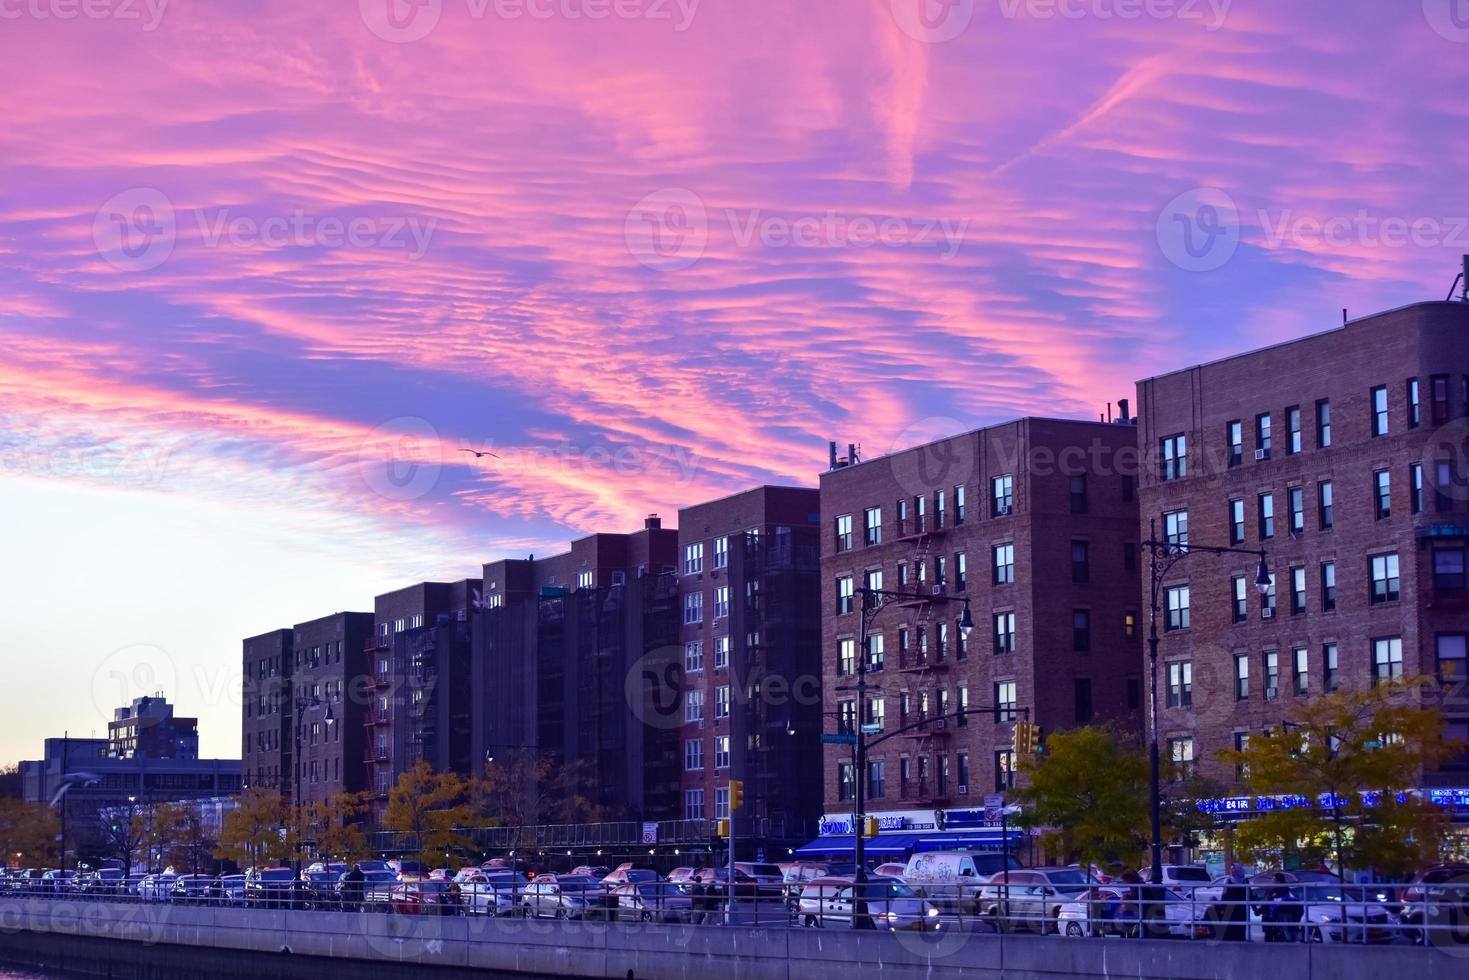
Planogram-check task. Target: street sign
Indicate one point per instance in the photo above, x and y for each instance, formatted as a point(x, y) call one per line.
point(650, 833)
point(872, 728)
point(992, 806)
point(828, 738)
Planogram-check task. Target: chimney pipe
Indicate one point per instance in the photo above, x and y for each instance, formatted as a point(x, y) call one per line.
point(1465, 295)
point(851, 454)
point(833, 447)
point(1122, 410)
point(652, 522)
point(1109, 411)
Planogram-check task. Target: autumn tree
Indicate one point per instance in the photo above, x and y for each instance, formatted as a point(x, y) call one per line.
point(335, 824)
point(27, 833)
point(251, 833)
point(1088, 793)
point(1339, 771)
point(125, 834)
point(429, 808)
point(508, 791)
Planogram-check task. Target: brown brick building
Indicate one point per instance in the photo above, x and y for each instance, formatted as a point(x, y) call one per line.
point(750, 631)
point(1343, 455)
point(1034, 522)
point(266, 731)
point(328, 657)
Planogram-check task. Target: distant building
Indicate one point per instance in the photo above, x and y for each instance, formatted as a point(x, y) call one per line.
point(326, 716)
point(266, 717)
point(148, 727)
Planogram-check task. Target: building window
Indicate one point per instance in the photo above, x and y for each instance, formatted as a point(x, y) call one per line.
point(693, 705)
point(1080, 562)
point(845, 594)
point(1293, 430)
point(1385, 582)
point(1451, 657)
point(872, 579)
point(872, 526)
point(1439, 385)
point(721, 602)
point(721, 702)
point(1379, 411)
point(962, 648)
point(1005, 701)
point(721, 552)
point(1236, 521)
point(1081, 697)
point(1272, 675)
point(1262, 436)
point(1448, 570)
point(1415, 411)
point(1005, 632)
point(693, 806)
point(963, 706)
point(1297, 590)
point(847, 717)
point(1302, 673)
point(1239, 604)
point(844, 532)
point(693, 558)
point(1325, 511)
point(1234, 433)
point(1415, 488)
point(940, 509)
point(961, 572)
point(959, 504)
point(1387, 659)
point(876, 787)
point(1267, 604)
point(1180, 684)
point(1175, 529)
point(1004, 564)
point(1382, 494)
point(583, 580)
point(875, 651)
point(1443, 500)
point(1002, 500)
point(1081, 630)
point(1329, 675)
point(1241, 676)
point(1178, 618)
point(693, 656)
point(721, 650)
point(1004, 770)
point(693, 755)
point(920, 513)
point(1173, 457)
point(846, 657)
point(693, 607)
point(1295, 498)
point(1181, 754)
point(845, 789)
point(1129, 556)
point(1265, 506)
point(1078, 494)
point(1328, 586)
point(1323, 424)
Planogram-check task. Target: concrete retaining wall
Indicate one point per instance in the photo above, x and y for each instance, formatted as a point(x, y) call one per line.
point(143, 938)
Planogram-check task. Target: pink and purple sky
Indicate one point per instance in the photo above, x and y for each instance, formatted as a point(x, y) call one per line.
point(268, 266)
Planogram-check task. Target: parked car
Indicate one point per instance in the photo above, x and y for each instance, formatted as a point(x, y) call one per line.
point(795, 877)
point(373, 864)
point(227, 890)
point(1435, 899)
point(105, 881)
point(407, 870)
point(744, 885)
point(767, 877)
point(564, 897)
point(893, 869)
point(1031, 898)
point(156, 887)
point(320, 888)
point(1328, 910)
point(891, 904)
point(651, 901)
point(952, 880)
point(272, 888)
point(492, 892)
point(683, 877)
point(623, 875)
point(1181, 879)
point(1114, 910)
point(430, 896)
point(190, 889)
point(56, 881)
point(377, 890)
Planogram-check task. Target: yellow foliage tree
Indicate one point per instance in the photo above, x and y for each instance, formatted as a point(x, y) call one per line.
point(429, 808)
point(251, 833)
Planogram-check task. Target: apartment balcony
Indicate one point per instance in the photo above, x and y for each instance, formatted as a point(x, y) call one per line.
point(375, 718)
point(375, 643)
point(915, 661)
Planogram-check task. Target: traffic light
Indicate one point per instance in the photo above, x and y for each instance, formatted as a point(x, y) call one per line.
point(1037, 740)
point(1017, 738)
point(869, 827)
point(721, 828)
point(736, 794)
point(1026, 739)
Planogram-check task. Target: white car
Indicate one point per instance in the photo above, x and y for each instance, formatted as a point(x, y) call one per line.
point(156, 888)
point(490, 893)
point(1330, 911)
point(1113, 910)
point(891, 904)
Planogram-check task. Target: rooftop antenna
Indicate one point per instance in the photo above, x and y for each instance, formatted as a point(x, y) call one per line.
point(1343, 316)
point(1461, 279)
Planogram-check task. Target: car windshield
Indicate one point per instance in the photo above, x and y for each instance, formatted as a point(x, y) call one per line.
point(660, 889)
point(764, 869)
point(379, 876)
point(888, 889)
point(277, 874)
point(638, 874)
point(1069, 878)
point(1189, 873)
point(578, 886)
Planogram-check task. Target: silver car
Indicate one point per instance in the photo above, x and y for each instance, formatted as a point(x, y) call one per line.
point(563, 897)
point(652, 901)
point(891, 904)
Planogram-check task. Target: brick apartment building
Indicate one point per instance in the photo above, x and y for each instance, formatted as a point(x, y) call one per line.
point(148, 727)
point(328, 656)
point(266, 718)
point(1343, 455)
point(554, 647)
point(418, 658)
point(1034, 522)
point(750, 631)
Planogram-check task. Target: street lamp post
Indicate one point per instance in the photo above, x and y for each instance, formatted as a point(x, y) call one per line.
point(304, 704)
point(875, 601)
point(1163, 555)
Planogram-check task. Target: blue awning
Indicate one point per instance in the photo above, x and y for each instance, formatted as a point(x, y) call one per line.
point(883, 845)
point(979, 838)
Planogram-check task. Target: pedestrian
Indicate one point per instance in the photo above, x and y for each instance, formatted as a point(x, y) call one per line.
point(1233, 907)
point(352, 888)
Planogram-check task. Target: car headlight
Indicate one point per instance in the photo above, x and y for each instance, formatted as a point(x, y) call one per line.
point(933, 913)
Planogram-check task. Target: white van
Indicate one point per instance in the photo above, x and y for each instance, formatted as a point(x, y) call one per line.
point(951, 879)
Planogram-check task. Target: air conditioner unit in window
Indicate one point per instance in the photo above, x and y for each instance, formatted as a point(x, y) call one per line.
point(1006, 511)
point(938, 590)
point(1261, 454)
point(619, 578)
point(963, 790)
point(1267, 613)
point(1272, 693)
